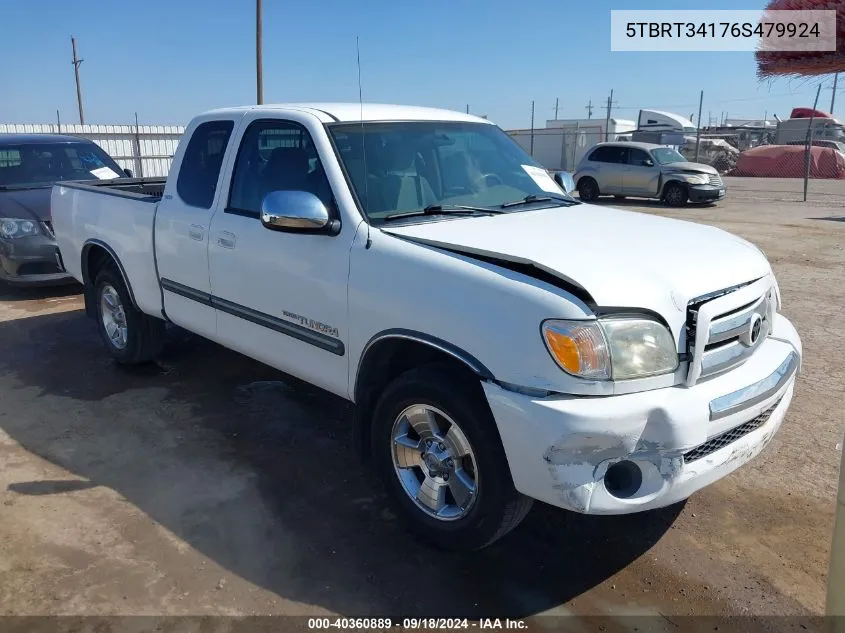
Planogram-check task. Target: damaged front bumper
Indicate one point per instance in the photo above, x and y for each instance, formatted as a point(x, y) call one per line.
point(634, 452)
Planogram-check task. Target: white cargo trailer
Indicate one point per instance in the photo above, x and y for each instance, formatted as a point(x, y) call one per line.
point(562, 143)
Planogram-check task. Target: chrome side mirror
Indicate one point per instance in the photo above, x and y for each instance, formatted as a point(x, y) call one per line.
point(565, 181)
point(294, 211)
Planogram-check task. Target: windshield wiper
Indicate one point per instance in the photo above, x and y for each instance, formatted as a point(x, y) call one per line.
point(530, 199)
point(443, 209)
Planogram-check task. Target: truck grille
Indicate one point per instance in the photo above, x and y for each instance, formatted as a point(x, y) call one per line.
point(736, 326)
point(723, 439)
point(716, 180)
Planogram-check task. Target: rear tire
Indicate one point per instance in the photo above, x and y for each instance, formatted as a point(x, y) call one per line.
point(588, 190)
point(130, 336)
point(675, 194)
point(465, 499)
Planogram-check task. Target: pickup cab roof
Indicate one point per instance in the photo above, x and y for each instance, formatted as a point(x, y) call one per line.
point(349, 112)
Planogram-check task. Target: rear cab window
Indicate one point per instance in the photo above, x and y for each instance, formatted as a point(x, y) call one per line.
point(201, 164)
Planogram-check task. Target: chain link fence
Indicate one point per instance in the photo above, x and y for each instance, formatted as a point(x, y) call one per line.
point(754, 163)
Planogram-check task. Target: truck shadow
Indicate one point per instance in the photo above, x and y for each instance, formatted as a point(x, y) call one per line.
point(16, 293)
point(255, 471)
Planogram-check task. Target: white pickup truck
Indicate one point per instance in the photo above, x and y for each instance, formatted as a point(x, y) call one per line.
point(500, 340)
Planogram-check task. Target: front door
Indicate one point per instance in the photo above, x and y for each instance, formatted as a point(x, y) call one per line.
point(181, 226)
point(281, 296)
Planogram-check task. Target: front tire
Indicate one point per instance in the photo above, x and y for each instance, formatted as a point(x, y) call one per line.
point(130, 336)
point(675, 194)
point(437, 449)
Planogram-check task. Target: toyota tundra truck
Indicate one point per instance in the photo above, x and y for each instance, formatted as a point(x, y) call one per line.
point(501, 341)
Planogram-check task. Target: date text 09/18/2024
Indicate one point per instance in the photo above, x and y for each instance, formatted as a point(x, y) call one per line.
point(414, 624)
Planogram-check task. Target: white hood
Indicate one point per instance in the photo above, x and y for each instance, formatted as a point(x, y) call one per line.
point(621, 258)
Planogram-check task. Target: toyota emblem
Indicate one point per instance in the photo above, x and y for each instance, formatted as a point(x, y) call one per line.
point(754, 330)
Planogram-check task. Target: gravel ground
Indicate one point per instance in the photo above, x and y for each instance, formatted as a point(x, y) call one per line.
point(210, 484)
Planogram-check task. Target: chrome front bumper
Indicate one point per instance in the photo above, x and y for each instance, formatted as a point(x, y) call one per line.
point(761, 390)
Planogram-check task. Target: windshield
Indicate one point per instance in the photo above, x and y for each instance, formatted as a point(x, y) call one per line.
point(398, 167)
point(666, 155)
point(41, 164)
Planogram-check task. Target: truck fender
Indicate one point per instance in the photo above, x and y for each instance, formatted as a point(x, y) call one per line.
point(88, 281)
point(369, 380)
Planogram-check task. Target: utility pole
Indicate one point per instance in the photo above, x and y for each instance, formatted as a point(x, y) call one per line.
point(532, 129)
point(833, 94)
point(590, 109)
point(607, 120)
point(698, 131)
point(467, 108)
point(259, 62)
point(76, 62)
point(809, 143)
point(557, 103)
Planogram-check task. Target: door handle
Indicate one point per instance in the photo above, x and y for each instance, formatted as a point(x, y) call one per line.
point(196, 232)
point(226, 239)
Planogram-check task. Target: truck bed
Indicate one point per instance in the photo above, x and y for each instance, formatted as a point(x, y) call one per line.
point(117, 215)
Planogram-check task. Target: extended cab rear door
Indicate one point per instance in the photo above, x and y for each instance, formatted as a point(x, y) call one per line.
point(183, 219)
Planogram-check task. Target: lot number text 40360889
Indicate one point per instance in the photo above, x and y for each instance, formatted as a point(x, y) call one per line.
point(415, 624)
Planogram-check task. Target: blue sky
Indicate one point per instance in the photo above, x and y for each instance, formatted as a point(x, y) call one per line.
point(169, 60)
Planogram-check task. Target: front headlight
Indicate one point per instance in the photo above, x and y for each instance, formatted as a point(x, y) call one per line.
point(698, 179)
point(611, 348)
point(13, 229)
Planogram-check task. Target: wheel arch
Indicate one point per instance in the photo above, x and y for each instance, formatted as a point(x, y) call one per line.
point(672, 181)
point(95, 255)
point(389, 354)
point(585, 176)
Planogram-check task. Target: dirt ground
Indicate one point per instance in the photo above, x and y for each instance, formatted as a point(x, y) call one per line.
point(210, 484)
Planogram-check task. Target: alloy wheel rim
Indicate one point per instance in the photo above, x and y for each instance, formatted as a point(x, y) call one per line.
point(674, 195)
point(114, 317)
point(434, 462)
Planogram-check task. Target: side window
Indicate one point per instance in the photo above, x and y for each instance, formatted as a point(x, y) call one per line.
point(601, 155)
point(637, 156)
point(276, 156)
point(619, 155)
point(201, 164)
